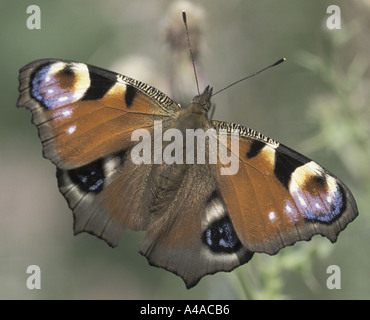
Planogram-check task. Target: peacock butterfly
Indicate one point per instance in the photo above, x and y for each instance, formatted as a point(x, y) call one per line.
point(198, 219)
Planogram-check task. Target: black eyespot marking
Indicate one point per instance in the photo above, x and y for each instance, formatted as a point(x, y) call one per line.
point(99, 85)
point(89, 178)
point(67, 70)
point(320, 179)
point(255, 148)
point(286, 161)
point(221, 237)
point(130, 95)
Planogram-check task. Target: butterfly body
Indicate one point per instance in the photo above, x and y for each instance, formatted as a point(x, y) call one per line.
point(200, 217)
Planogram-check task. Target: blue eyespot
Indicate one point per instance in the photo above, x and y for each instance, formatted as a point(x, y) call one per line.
point(38, 86)
point(324, 207)
point(331, 206)
point(89, 178)
point(221, 237)
point(54, 88)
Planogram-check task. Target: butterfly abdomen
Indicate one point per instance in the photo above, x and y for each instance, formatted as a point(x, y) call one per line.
point(165, 185)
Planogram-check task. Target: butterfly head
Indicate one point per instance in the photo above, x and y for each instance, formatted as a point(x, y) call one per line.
point(202, 102)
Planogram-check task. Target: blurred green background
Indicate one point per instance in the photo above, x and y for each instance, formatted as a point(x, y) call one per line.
point(316, 103)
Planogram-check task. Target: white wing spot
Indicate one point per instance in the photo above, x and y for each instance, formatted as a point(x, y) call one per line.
point(71, 129)
point(302, 202)
point(272, 216)
point(66, 113)
point(61, 99)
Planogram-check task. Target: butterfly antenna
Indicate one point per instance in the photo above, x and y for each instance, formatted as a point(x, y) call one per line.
point(191, 52)
point(254, 74)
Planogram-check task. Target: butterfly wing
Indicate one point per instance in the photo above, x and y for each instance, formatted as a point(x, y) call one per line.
point(85, 116)
point(84, 113)
point(192, 235)
point(278, 196)
point(215, 221)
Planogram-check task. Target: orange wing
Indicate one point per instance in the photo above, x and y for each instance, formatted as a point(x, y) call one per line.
point(278, 196)
point(85, 117)
point(83, 112)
